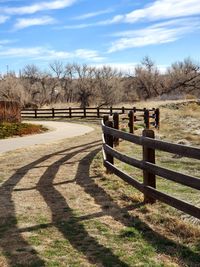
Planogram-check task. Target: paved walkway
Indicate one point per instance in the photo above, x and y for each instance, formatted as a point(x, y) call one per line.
point(58, 131)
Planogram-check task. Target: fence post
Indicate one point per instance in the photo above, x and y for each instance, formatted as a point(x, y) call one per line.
point(157, 118)
point(146, 118)
point(131, 121)
point(149, 179)
point(70, 112)
point(84, 112)
point(98, 112)
point(109, 142)
point(116, 126)
point(35, 113)
point(105, 119)
point(111, 111)
point(123, 110)
point(134, 110)
point(53, 113)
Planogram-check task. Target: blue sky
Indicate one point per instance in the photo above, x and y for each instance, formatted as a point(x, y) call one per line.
point(115, 32)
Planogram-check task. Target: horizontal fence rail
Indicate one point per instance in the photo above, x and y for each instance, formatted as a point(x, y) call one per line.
point(148, 165)
point(149, 117)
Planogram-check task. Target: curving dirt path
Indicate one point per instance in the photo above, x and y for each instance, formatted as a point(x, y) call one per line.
point(58, 131)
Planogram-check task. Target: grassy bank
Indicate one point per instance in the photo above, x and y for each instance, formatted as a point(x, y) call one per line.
point(19, 129)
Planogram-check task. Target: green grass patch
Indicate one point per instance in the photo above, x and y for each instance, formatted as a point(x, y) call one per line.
point(19, 129)
point(154, 235)
point(182, 165)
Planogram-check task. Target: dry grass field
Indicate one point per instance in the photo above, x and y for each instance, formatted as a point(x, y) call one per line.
point(59, 208)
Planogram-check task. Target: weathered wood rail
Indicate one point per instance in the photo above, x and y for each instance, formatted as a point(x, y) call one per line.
point(150, 117)
point(148, 165)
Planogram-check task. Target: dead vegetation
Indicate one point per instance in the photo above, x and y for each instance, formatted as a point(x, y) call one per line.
point(10, 111)
point(102, 86)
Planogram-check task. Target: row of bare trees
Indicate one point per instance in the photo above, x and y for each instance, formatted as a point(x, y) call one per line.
point(180, 79)
point(99, 85)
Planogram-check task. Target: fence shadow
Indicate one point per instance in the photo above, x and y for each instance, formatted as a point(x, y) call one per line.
point(67, 222)
point(161, 243)
point(65, 219)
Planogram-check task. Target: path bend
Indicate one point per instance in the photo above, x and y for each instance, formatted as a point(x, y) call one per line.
point(57, 131)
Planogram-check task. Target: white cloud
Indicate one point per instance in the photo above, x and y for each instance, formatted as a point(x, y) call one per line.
point(77, 26)
point(42, 53)
point(88, 54)
point(41, 6)
point(5, 42)
point(7, 1)
point(161, 9)
point(127, 67)
point(158, 10)
point(160, 33)
point(3, 19)
point(20, 52)
point(124, 67)
point(94, 14)
point(27, 22)
point(84, 25)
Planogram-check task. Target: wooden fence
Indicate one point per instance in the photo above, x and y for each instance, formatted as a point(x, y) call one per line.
point(148, 165)
point(150, 117)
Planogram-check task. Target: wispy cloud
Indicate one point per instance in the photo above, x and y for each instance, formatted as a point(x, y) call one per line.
point(158, 10)
point(42, 53)
point(164, 9)
point(160, 33)
point(42, 6)
point(93, 14)
point(7, 1)
point(28, 22)
point(6, 41)
point(83, 25)
point(76, 26)
point(3, 19)
point(88, 54)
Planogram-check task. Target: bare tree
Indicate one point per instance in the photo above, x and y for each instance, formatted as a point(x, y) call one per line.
point(57, 68)
point(183, 77)
point(85, 83)
point(31, 72)
point(64, 76)
point(108, 86)
point(40, 85)
point(147, 79)
point(12, 89)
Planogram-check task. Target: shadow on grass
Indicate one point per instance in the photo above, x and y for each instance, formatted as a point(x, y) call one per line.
point(161, 243)
point(16, 249)
point(14, 246)
point(67, 222)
